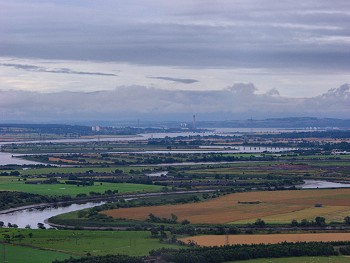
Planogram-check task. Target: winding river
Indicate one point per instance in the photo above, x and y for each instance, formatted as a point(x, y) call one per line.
point(33, 216)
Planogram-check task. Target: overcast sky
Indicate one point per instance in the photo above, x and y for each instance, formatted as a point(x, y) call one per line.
point(188, 56)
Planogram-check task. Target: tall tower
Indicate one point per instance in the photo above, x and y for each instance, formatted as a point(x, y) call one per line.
point(194, 122)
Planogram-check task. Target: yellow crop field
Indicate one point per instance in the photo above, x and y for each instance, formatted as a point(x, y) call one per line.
point(272, 206)
point(221, 240)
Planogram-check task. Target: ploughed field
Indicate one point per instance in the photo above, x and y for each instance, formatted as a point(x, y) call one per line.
point(221, 240)
point(271, 206)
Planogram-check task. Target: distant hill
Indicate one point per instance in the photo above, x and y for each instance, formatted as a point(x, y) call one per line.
point(293, 122)
point(132, 127)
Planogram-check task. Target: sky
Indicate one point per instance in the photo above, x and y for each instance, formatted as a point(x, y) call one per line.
point(225, 59)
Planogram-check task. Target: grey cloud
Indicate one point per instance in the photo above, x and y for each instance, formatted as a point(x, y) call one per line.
point(239, 101)
point(273, 92)
point(185, 81)
point(254, 33)
point(33, 68)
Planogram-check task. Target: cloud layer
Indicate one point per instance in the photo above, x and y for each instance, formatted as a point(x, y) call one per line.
point(236, 102)
point(184, 81)
point(245, 33)
point(33, 68)
point(63, 58)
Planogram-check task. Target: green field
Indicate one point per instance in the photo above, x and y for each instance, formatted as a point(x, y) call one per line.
point(12, 184)
point(15, 254)
point(339, 259)
point(79, 243)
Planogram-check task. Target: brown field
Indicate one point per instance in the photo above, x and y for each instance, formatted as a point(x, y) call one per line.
point(216, 240)
point(279, 206)
point(56, 159)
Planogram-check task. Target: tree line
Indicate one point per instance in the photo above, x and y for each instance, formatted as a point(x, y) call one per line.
point(244, 252)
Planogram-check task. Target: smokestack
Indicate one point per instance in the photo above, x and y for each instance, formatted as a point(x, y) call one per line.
point(194, 122)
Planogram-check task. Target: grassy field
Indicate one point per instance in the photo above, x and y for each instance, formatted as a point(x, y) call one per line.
point(79, 243)
point(339, 259)
point(271, 206)
point(12, 184)
point(15, 254)
point(221, 240)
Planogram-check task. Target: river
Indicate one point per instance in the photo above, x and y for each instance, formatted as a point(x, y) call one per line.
point(33, 216)
point(7, 158)
point(318, 184)
point(219, 149)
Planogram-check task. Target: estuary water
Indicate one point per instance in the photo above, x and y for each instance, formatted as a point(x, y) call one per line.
point(33, 216)
point(318, 184)
point(7, 158)
point(219, 149)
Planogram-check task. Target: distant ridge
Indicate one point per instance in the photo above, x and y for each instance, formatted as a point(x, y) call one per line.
point(290, 122)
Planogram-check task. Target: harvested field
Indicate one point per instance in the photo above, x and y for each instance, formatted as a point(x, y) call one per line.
point(56, 159)
point(276, 206)
point(221, 240)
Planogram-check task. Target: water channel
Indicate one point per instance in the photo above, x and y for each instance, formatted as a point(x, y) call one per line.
point(318, 184)
point(8, 158)
point(33, 216)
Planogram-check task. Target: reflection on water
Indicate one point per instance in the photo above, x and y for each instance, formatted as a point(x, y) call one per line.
point(157, 174)
point(38, 215)
point(6, 158)
point(314, 184)
point(220, 149)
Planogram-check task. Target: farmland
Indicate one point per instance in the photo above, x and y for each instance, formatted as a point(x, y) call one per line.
point(79, 243)
point(230, 193)
point(221, 240)
point(274, 207)
point(18, 253)
point(12, 184)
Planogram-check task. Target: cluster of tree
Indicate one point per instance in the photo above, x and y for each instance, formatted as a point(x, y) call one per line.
point(14, 199)
point(155, 219)
point(244, 252)
point(342, 146)
point(8, 238)
point(313, 134)
point(103, 259)
point(194, 157)
point(9, 199)
point(347, 220)
point(344, 250)
point(48, 181)
point(319, 221)
point(127, 179)
point(203, 230)
point(12, 173)
point(9, 225)
point(80, 182)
